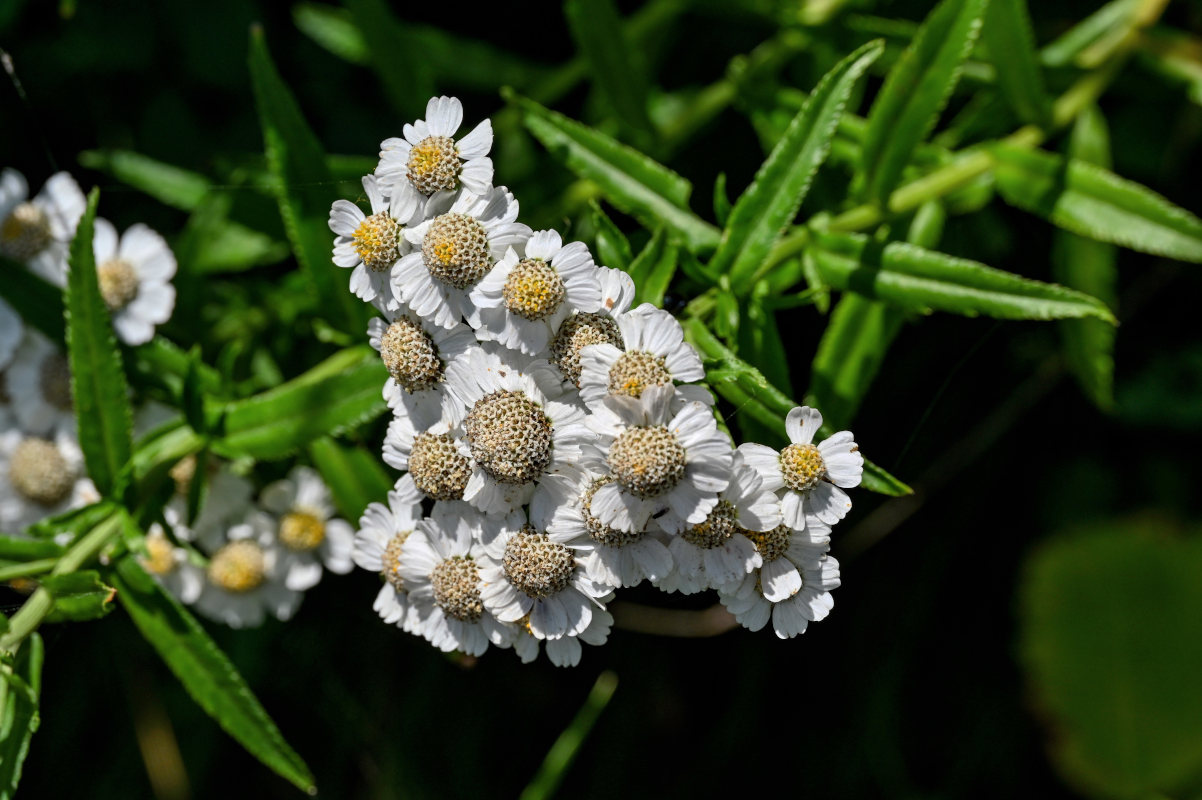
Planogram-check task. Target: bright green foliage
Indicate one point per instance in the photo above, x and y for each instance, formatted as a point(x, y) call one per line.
point(652, 269)
point(98, 387)
point(170, 185)
point(355, 476)
point(610, 244)
point(20, 692)
point(1007, 33)
point(205, 671)
point(78, 596)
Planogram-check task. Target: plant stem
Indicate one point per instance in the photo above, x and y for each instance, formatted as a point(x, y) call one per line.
point(26, 621)
point(27, 568)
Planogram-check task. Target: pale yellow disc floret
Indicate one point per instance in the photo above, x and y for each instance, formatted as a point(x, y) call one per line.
point(534, 289)
point(718, 527)
point(411, 355)
point(54, 379)
point(377, 240)
point(801, 466)
point(510, 436)
point(39, 472)
point(437, 467)
point(634, 371)
point(391, 560)
point(118, 283)
point(537, 566)
point(25, 232)
point(456, 586)
point(770, 544)
point(302, 531)
point(238, 567)
point(455, 250)
point(434, 164)
point(647, 461)
point(160, 555)
point(578, 332)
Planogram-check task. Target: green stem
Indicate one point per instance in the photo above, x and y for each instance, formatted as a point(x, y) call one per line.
point(26, 621)
point(28, 568)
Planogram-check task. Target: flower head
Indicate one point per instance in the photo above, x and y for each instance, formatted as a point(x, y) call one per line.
point(431, 160)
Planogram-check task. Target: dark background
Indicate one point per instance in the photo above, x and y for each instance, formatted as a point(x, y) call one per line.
point(910, 689)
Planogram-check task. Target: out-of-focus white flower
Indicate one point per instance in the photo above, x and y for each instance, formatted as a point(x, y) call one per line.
point(11, 331)
point(135, 272)
point(39, 385)
point(171, 566)
point(245, 577)
point(310, 535)
point(38, 232)
point(41, 477)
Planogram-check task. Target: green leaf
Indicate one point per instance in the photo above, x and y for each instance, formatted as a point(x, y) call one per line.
point(205, 671)
point(1111, 641)
point(332, 28)
point(78, 596)
point(211, 242)
point(1110, 20)
point(98, 386)
point(170, 185)
point(20, 688)
point(407, 76)
point(913, 277)
point(917, 89)
point(72, 524)
point(1007, 33)
point(612, 246)
point(653, 268)
point(338, 394)
point(13, 548)
point(850, 353)
point(563, 752)
point(630, 181)
point(355, 476)
point(41, 303)
point(770, 203)
point(1089, 266)
point(760, 342)
point(302, 185)
point(615, 66)
point(1094, 202)
point(722, 205)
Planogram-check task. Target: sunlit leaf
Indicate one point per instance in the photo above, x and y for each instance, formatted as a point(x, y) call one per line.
point(78, 596)
point(1007, 32)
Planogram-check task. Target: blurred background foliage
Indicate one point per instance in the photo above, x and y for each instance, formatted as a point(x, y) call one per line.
point(1029, 623)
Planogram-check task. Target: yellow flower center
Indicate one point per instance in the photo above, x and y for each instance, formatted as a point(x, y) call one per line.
point(534, 289)
point(302, 530)
point(434, 164)
point(25, 232)
point(377, 241)
point(392, 560)
point(238, 567)
point(39, 472)
point(160, 555)
point(455, 250)
point(635, 371)
point(801, 466)
point(647, 461)
point(118, 283)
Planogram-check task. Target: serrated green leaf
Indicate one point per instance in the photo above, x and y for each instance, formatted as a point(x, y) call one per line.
point(770, 203)
point(98, 387)
point(341, 392)
point(915, 92)
point(615, 67)
point(1111, 642)
point(170, 185)
point(78, 596)
point(302, 186)
point(630, 181)
point(20, 688)
point(612, 246)
point(355, 476)
point(205, 671)
point(1094, 202)
point(394, 55)
point(71, 524)
point(40, 304)
point(1007, 33)
point(652, 269)
point(914, 277)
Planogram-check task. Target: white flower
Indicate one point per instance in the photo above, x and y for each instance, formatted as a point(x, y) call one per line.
point(425, 364)
point(371, 245)
point(584, 328)
point(436, 459)
point(610, 556)
point(524, 300)
point(794, 586)
point(41, 477)
point(171, 565)
point(528, 576)
point(379, 542)
point(11, 331)
point(718, 552)
point(442, 569)
point(517, 434)
point(245, 576)
point(809, 474)
point(135, 273)
point(564, 651)
point(224, 500)
point(39, 385)
point(310, 534)
point(465, 237)
point(663, 455)
point(656, 354)
point(38, 232)
point(430, 160)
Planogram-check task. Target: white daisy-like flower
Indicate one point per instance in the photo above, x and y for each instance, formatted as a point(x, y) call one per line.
point(38, 232)
point(460, 242)
point(41, 477)
point(245, 577)
point(720, 550)
point(135, 272)
point(663, 455)
point(810, 474)
point(655, 354)
point(171, 565)
point(586, 328)
point(523, 301)
point(312, 537)
point(436, 460)
point(425, 364)
point(11, 332)
point(611, 556)
point(370, 246)
point(38, 382)
point(225, 500)
point(564, 651)
point(442, 568)
point(429, 158)
point(793, 588)
point(383, 531)
point(516, 433)
point(528, 576)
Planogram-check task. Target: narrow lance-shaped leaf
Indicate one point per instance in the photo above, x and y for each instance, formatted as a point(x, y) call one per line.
point(205, 671)
point(615, 66)
point(1007, 32)
point(1094, 202)
point(771, 201)
point(78, 596)
point(98, 387)
point(916, 90)
point(355, 476)
point(653, 268)
point(1090, 266)
point(20, 692)
point(631, 181)
point(302, 185)
point(913, 277)
point(169, 184)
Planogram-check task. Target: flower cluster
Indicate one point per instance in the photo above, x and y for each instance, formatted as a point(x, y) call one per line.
point(556, 442)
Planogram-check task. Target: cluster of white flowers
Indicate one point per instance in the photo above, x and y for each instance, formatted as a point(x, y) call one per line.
point(556, 443)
